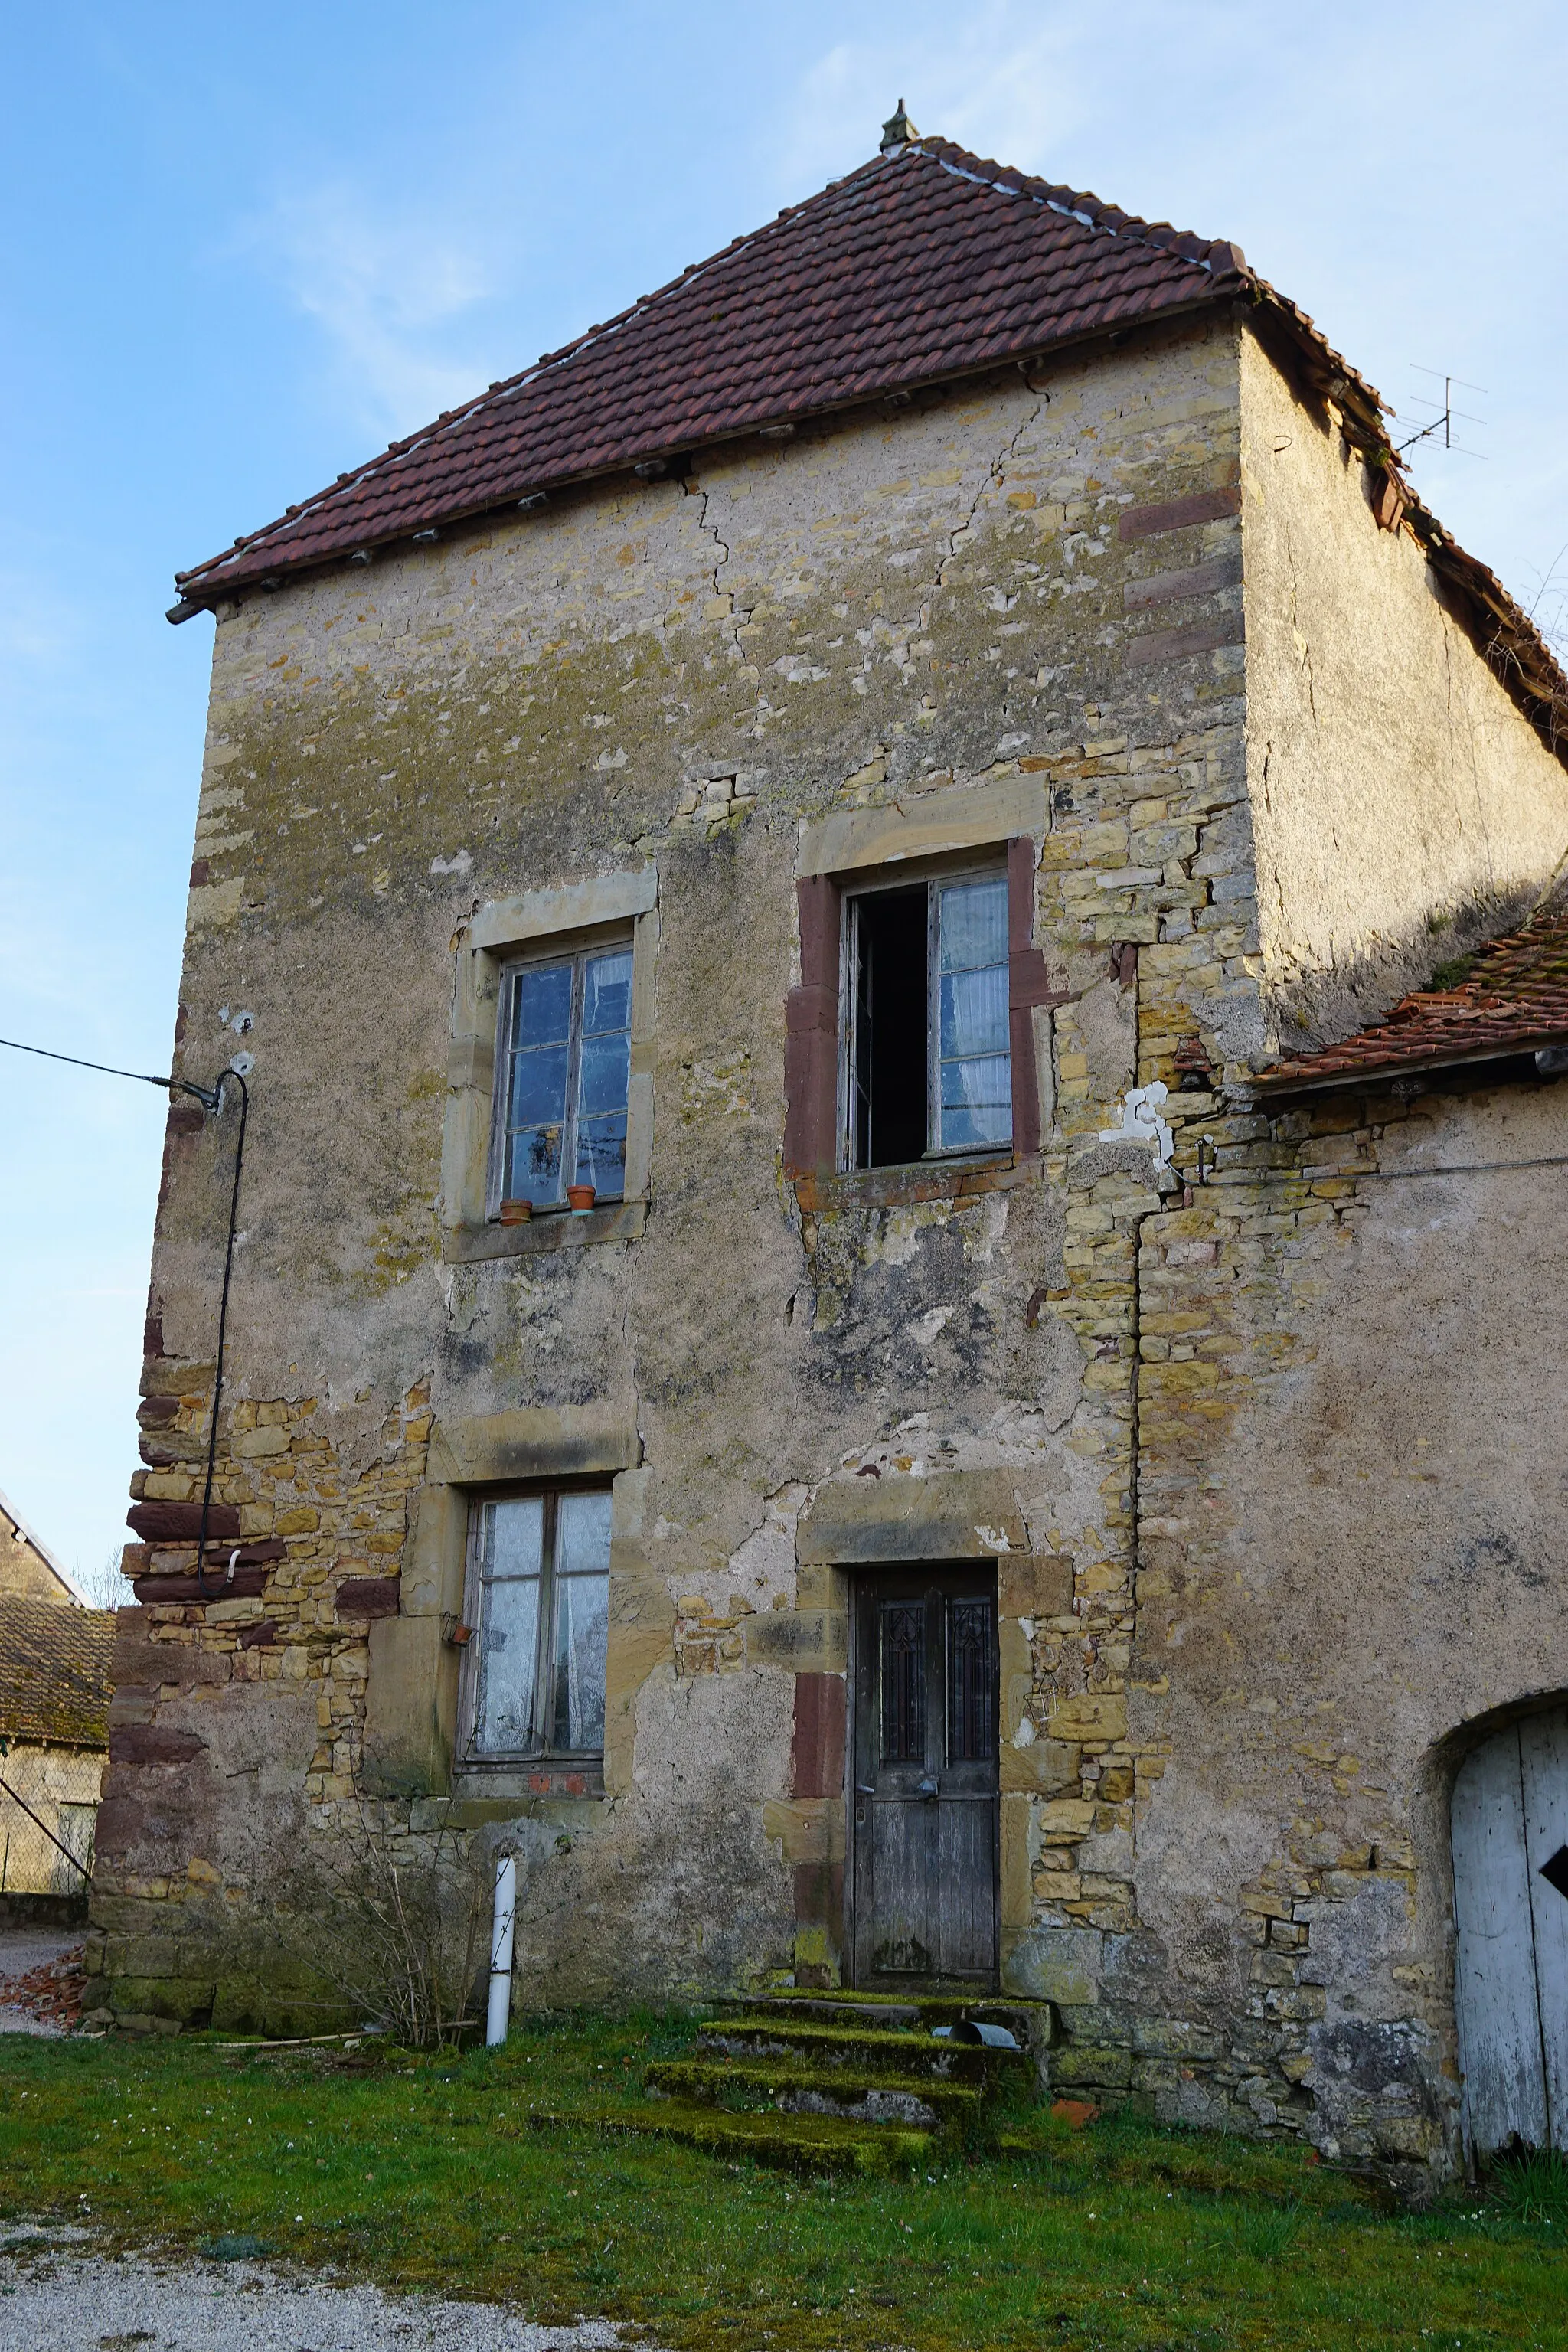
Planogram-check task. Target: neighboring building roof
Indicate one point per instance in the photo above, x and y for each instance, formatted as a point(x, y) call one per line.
point(1509, 998)
point(16, 1538)
point(926, 264)
point(56, 1673)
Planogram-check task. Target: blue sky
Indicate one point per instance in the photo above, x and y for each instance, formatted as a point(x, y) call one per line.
point(244, 248)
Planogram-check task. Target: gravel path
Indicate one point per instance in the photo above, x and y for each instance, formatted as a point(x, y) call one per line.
point(55, 2298)
point(21, 1950)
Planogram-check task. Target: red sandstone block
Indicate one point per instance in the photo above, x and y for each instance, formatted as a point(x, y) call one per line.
point(182, 1522)
point(152, 1743)
point(369, 1596)
point(1178, 514)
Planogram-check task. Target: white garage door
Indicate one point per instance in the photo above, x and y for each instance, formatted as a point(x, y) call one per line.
point(1511, 1896)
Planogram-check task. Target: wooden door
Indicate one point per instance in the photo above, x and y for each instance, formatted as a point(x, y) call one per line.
point(925, 1802)
point(1510, 1901)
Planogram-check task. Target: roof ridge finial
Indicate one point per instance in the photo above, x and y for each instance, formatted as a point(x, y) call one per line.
point(898, 130)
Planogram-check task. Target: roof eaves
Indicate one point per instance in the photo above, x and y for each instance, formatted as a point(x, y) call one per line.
point(1307, 1077)
point(919, 379)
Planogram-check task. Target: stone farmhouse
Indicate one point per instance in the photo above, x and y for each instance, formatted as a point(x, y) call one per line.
point(55, 1658)
point(892, 927)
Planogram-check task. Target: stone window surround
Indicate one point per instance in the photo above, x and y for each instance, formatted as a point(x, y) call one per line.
point(543, 1755)
point(1010, 814)
point(412, 1731)
point(579, 915)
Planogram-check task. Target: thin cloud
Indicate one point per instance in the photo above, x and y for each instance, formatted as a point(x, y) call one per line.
point(1013, 93)
point(387, 294)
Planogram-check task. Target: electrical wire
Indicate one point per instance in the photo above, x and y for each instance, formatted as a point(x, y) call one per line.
point(47, 1053)
point(211, 1099)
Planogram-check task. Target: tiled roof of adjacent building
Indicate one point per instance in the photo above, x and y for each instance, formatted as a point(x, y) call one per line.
point(56, 1673)
point(1509, 998)
point(925, 265)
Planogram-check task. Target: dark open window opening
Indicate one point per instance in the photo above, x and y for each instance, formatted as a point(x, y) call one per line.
point(892, 1026)
point(927, 1053)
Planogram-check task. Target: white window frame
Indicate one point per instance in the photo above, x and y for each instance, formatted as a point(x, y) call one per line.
point(991, 868)
point(538, 1752)
point(578, 952)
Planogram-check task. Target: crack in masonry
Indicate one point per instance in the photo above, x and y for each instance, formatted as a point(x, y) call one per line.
point(736, 647)
point(724, 557)
point(996, 472)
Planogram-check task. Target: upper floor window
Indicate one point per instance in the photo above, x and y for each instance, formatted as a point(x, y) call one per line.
point(928, 1065)
point(563, 1062)
point(538, 1599)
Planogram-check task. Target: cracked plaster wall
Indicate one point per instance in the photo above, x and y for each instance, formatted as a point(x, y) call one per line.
point(1361, 1559)
point(1403, 808)
point(1035, 581)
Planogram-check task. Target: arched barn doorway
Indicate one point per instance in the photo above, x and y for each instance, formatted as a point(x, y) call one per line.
point(1510, 1900)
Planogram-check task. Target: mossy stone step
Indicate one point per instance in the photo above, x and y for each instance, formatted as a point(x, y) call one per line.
point(866, 2048)
point(876, 2098)
point(1029, 2021)
point(791, 2142)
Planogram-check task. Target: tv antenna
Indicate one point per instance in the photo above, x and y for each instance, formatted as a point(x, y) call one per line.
point(1446, 417)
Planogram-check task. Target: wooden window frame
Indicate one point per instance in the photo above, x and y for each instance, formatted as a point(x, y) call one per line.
point(976, 866)
point(578, 952)
point(538, 1752)
point(812, 1014)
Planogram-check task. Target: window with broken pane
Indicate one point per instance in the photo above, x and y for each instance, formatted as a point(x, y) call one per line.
point(539, 1590)
point(928, 1055)
point(564, 1065)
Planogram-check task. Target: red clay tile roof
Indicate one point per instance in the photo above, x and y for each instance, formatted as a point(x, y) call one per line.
point(925, 264)
point(1512, 999)
point(922, 265)
point(56, 1673)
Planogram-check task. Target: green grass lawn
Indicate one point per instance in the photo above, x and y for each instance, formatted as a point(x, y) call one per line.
point(426, 2172)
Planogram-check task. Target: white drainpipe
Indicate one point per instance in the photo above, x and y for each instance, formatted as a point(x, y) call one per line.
point(501, 1927)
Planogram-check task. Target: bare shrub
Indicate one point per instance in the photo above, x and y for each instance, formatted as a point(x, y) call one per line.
point(375, 1924)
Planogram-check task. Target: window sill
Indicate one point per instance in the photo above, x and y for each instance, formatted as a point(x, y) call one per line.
point(508, 1783)
point(554, 1229)
point(925, 1180)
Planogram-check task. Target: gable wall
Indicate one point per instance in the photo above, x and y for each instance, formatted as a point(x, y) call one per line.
point(1404, 808)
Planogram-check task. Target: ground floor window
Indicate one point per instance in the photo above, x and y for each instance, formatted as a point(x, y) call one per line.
point(538, 1602)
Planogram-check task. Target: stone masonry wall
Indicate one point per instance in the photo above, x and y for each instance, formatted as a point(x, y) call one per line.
point(1020, 595)
point(1348, 1555)
point(1403, 812)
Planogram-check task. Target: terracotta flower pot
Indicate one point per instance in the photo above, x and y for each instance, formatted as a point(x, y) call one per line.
point(516, 1213)
point(580, 1197)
